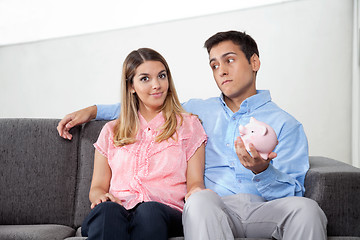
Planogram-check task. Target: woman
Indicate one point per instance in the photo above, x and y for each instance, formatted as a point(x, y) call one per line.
point(148, 160)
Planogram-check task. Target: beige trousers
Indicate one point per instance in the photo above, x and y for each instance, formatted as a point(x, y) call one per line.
point(208, 216)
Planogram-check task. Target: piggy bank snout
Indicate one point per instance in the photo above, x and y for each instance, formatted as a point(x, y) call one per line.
point(242, 130)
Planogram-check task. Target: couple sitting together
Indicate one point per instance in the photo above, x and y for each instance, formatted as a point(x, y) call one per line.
point(164, 169)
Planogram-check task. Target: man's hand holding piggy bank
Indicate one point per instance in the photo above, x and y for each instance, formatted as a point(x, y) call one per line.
point(260, 140)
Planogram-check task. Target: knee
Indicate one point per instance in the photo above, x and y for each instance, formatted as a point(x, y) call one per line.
point(103, 215)
point(202, 203)
point(202, 198)
point(308, 210)
point(305, 205)
point(149, 218)
point(108, 210)
point(106, 207)
point(148, 211)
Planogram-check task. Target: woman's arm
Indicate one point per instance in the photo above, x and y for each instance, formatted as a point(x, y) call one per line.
point(100, 184)
point(195, 172)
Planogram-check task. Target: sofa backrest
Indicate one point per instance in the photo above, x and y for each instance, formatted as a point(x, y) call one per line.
point(38, 172)
point(89, 134)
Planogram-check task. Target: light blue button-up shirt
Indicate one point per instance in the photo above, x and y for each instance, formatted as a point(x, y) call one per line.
point(224, 173)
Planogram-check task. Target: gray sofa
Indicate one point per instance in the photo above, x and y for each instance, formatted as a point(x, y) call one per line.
point(45, 183)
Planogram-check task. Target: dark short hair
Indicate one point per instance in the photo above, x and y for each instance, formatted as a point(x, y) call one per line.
point(246, 43)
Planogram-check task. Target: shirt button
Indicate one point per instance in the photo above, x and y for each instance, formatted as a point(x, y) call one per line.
point(234, 118)
point(227, 145)
point(257, 180)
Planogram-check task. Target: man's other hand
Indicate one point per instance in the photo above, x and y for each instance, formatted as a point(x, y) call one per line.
point(74, 119)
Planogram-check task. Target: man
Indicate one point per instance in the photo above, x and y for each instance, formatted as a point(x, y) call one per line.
point(249, 196)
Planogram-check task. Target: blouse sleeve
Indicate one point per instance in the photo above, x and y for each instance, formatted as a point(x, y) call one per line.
point(194, 135)
point(104, 140)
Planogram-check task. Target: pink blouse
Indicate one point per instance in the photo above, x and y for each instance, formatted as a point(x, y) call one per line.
point(147, 170)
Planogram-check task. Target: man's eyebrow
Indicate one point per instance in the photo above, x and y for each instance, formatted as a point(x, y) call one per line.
point(222, 56)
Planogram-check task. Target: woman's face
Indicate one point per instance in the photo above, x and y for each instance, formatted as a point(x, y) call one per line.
point(151, 85)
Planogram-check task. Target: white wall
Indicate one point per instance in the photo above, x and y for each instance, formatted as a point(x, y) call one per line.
point(356, 87)
point(305, 49)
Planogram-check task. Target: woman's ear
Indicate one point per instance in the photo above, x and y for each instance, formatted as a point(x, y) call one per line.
point(131, 89)
point(255, 62)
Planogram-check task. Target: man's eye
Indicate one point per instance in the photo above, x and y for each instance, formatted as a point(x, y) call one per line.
point(230, 60)
point(215, 66)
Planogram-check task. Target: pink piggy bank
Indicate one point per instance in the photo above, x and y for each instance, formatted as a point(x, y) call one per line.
point(261, 135)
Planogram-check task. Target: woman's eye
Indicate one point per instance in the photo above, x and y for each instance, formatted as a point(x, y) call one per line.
point(162, 76)
point(230, 60)
point(144, 79)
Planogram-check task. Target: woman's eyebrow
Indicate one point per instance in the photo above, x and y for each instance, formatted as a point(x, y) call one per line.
point(147, 74)
point(143, 74)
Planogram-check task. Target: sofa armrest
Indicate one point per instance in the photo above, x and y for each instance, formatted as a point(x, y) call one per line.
point(335, 186)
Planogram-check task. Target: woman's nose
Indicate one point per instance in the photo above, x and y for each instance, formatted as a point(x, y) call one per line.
point(155, 84)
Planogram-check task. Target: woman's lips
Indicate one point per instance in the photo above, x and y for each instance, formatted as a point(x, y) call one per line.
point(158, 94)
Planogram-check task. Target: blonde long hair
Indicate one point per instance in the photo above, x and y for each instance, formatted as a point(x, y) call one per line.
point(128, 122)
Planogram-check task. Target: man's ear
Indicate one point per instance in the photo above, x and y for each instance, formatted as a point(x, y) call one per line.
point(255, 62)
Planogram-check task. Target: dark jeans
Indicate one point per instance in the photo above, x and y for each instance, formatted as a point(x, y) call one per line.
point(147, 220)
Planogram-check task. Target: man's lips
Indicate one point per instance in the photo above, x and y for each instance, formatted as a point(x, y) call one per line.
point(225, 82)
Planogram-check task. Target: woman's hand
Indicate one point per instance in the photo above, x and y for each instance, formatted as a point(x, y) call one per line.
point(104, 198)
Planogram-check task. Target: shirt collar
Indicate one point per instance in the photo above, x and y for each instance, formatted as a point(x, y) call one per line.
point(154, 123)
point(251, 103)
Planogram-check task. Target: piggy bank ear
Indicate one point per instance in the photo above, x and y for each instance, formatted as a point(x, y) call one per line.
point(263, 130)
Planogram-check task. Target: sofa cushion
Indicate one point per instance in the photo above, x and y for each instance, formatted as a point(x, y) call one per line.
point(35, 232)
point(329, 238)
point(40, 171)
point(76, 238)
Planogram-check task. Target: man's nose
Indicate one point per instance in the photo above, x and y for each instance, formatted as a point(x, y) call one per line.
point(223, 70)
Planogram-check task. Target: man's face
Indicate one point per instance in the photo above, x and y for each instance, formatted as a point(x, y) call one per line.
point(233, 73)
